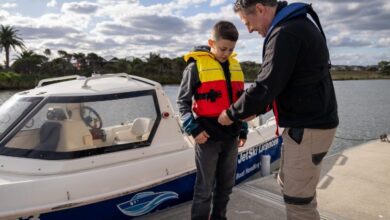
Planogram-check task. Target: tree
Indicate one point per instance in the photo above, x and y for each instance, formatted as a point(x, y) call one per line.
point(80, 61)
point(384, 67)
point(29, 62)
point(59, 67)
point(64, 55)
point(47, 53)
point(94, 62)
point(251, 70)
point(9, 38)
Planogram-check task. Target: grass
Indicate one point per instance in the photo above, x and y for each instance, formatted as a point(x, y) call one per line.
point(11, 80)
point(357, 75)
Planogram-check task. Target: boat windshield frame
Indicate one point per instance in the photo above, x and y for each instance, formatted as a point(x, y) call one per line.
point(34, 101)
point(57, 155)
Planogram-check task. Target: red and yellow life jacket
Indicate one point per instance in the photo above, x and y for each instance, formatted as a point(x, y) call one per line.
point(212, 96)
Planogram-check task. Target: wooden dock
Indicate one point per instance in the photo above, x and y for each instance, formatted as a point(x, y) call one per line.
point(355, 184)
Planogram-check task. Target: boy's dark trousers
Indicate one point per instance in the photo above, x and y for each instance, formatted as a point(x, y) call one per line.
point(216, 163)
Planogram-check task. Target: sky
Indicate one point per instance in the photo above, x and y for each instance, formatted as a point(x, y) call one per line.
point(358, 32)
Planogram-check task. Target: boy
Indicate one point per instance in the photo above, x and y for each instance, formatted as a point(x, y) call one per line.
point(211, 82)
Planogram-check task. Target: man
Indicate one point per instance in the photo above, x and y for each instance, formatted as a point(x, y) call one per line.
point(294, 82)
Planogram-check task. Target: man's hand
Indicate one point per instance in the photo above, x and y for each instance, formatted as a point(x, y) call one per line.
point(241, 142)
point(224, 119)
point(202, 137)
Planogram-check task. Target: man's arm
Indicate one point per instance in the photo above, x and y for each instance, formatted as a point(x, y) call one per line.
point(184, 100)
point(279, 60)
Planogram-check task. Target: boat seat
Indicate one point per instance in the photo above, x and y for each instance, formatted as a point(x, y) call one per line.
point(141, 126)
point(139, 129)
point(49, 133)
point(49, 136)
point(74, 135)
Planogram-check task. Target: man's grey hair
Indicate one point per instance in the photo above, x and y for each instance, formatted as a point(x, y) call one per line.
point(248, 5)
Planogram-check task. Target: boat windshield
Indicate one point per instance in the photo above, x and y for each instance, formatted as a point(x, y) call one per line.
point(74, 127)
point(12, 110)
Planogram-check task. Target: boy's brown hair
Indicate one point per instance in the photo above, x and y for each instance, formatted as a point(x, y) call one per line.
point(225, 30)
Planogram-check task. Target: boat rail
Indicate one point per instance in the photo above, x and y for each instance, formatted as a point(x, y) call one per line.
point(61, 78)
point(98, 76)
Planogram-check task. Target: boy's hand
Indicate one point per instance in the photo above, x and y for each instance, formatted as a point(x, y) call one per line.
point(241, 142)
point(224, 119)
point(202, 137)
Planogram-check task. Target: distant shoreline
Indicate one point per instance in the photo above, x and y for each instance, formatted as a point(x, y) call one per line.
point(20, 83)
point(357, 75)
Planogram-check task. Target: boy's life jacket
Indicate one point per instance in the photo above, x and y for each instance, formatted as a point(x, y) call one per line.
point(212, 96)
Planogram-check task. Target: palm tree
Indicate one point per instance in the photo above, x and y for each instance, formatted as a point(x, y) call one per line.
point(62, 53)
point(47, 53)
point(26, 54)
point(9, 38)
point(94, 62)
point(28, 62)
point(80, 59)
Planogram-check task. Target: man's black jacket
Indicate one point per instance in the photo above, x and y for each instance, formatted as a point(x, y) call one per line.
point(295, 73)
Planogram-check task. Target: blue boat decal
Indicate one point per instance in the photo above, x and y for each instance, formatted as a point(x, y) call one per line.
point(145, 202)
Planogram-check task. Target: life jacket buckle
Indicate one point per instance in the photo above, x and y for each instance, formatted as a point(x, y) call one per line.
point(212, 95)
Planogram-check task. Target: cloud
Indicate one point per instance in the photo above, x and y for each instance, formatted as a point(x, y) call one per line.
point(357, 58)
point(60, 45)
point(160, 24)
point(217, 2)
point(114, 29)
point(8, 5)
point(385, 42)
point(346, 41)
point(3, 15)
point(52, 3)
point(145, 24)
point(104, 44)
point(151, 40)
point(190, 2)
point(352, 15)
point(80, 7)
point(31, 33)
point(114, 2)
point(135, 28)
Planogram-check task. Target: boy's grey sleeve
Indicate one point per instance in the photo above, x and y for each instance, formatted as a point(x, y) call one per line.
point(184, 100)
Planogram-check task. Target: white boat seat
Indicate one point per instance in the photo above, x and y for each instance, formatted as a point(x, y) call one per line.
point(141, 126)
point(137, 132)
point(74, 136)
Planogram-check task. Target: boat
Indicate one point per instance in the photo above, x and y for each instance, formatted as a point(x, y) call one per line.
point(103, 147)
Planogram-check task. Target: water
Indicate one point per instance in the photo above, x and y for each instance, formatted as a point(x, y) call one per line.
point(364, 110)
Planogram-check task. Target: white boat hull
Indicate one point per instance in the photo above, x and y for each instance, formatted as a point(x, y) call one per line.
point(118, 181)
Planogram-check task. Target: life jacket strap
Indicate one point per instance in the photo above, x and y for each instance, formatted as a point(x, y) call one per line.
point(212, 95)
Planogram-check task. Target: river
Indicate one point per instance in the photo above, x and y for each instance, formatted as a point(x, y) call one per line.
point(363, 105)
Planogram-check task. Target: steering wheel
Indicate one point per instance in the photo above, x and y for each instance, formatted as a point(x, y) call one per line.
point(91, 117)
